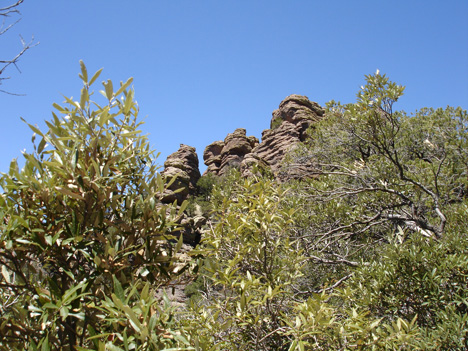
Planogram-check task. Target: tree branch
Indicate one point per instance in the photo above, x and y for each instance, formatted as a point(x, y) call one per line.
point(4, 64)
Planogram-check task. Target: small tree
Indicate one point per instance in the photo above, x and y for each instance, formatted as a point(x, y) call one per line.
point(84, 239)
point(379, 172)
point(252, 269)
point(250, 263)
point(385, 220)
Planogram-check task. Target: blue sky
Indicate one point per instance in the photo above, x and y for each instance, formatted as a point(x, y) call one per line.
point(204, 68)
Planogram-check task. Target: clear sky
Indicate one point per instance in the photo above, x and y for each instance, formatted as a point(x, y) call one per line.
point(203, 68)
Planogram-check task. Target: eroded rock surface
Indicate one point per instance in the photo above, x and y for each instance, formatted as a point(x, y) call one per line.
point(222, 155)
point(288, 126)
point(184, 165)
point(212, 156)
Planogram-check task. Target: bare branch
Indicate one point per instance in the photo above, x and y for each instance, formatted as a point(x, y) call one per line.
point(331, 287)
point(6, 11)
point(3, 31)
point(14, 61)
point(4, 64)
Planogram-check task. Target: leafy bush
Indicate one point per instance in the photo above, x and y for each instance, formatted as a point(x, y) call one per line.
point(250, 262)
point(200, 203)
point(421, 279)
point(371, 254)
point(81, 223)
point(252, 271)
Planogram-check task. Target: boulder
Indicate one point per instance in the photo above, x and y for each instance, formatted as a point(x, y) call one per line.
point(236, 143)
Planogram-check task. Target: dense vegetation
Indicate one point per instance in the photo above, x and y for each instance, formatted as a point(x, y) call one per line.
point(371, 253)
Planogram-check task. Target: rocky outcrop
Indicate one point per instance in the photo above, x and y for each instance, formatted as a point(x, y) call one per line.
point(184, 165)
point(212, 156)
point(298, 110)
point(288, 126)
point(249, 162)
point(222, 155)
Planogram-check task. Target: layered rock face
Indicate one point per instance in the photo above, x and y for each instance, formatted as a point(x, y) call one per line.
point(288, 125)
point(184, 164)
point(222, 155)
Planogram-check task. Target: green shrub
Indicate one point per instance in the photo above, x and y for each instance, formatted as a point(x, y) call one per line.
point(276, 123)
point(422, 279)
point(84, 240)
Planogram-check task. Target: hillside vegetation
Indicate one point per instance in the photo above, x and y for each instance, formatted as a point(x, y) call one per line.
point(368, 252)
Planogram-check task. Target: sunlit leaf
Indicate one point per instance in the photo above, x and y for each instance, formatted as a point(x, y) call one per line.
point(84, 72)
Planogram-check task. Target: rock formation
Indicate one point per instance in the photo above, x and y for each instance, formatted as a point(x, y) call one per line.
point(287, 128)
point(184, 165)
point(212, 156)
point(288, 125)
point(222, 155)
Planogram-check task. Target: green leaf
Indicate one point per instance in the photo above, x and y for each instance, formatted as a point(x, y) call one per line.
point(179, 243)
point(111, 347)
point(84, 98)
point(33, 128)
point(67, 192)
point(102, 346)
point(84, 72)
point(64, 312)
point(71, 295)
point(6, 274)
point(119, 292)
point(81, 315)
point(160, 182)
point(95, 76)
point(301, 346)
point(60, 108)
point(182, 208)
point(50, 305)
point(105, 116)
point(124, 86)
point(133, 319)
point(45, 344)
point(48, 239)
point(75, 160)
point(128, 102)
point(23, 241)
point(109, 89)
point(42, 145)
point(293, 346)
point(145, 292)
